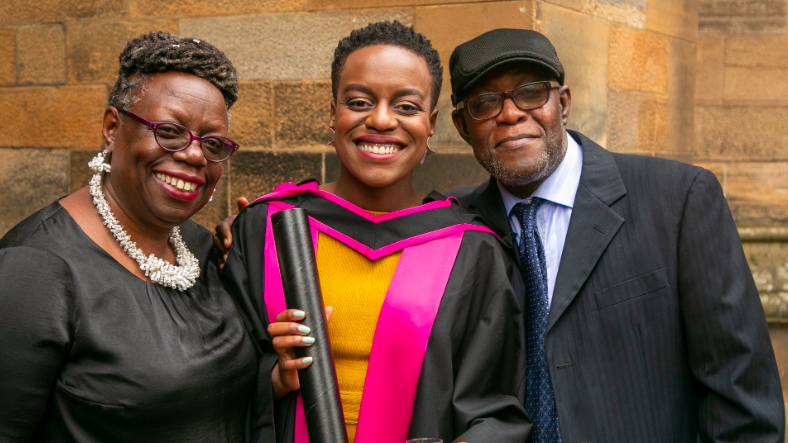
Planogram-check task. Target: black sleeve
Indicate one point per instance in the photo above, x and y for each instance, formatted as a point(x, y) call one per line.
point(243, 276)
point(730, 353)
point(36, 327)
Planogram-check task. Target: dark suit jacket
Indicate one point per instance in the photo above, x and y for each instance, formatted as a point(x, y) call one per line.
point(656, 332)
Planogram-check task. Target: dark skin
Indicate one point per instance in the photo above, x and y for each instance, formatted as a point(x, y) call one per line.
point(519, 148)
point(383, 103)
point(146, 207)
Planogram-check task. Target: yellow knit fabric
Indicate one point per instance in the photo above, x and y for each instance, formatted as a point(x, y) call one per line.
point(356, 287)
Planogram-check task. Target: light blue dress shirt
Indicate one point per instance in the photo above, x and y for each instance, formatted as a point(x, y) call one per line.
point(552, 218)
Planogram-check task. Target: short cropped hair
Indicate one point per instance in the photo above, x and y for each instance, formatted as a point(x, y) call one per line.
point(159, 52)
point(394, 34)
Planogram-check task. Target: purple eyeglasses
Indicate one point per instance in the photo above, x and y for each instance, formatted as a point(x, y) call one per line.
point(174, 137)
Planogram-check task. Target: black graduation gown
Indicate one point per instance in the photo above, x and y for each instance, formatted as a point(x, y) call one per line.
point(471, 385)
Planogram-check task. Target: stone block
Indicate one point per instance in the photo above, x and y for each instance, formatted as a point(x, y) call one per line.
point(252, 116)
point(7, 56)
point(302, 114)
point(29, 180)
point(25, 11)
point(763, 51)
point(779, 335)
point(622, 121)
point(638, 60)
point(742, 16)
point(581, 42)
point(355, 4)
point(710, 73)
point(629, 12)
point(739, 132)
point(93, 46)
point(80, 174)
point(449, 26)
point(652, 125)
point(62, 117)
point(255, 173)
point(678, 18)
point(41, 54)
point(761, 265)
point(683, 157)
point(755, 84)
point(285, 46)
point(757, 192)
point(192, 8)
point(681, 90)
point(577, 5)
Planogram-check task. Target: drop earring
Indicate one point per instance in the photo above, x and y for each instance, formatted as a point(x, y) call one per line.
point(427, 152)
point(331, 143)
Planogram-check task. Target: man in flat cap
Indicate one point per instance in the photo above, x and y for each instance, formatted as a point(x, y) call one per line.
point(644, 321)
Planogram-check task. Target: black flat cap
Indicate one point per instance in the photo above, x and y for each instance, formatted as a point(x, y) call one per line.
point(475, 58)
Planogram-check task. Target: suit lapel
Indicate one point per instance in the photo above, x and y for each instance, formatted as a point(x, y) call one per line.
point(592, 226)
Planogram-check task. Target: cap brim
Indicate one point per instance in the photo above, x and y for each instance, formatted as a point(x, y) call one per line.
point(496, 64)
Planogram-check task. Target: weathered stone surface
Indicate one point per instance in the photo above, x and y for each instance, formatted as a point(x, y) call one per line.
point(41, 54)
point(750, 84)
point(763, 51)
point(757, 192)
point(29, 180)
point(678, 18)
point(355, 4)
point(742, 16)
point(52, 117)
point(577, 5)
point(734, 132)
point(25, 11)
point(191, 8)
point(284, 46)
point(779, 335)
point(302, 114)
point(93, 46)
point(440, 172)
point(217, 209)
point(622, 121)
point(252, 119)
point(629, 12)
point(7, 56)
point(80, 173)
point(719, 169)
point(449, 26)
point(681, 90)
point(257, 172)
point(710, 74)
point(638, 60)
point(581, 42)
point(683, 157)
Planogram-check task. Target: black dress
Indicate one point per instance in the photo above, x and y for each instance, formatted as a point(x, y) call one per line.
point(91, 353)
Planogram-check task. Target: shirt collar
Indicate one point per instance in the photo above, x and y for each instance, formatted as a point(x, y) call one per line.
point(561, 186)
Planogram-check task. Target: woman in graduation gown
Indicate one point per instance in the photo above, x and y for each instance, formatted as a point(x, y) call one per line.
point(426, 332)
point(114, 325)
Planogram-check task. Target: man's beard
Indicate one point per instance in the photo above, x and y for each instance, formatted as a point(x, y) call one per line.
point(545, 163)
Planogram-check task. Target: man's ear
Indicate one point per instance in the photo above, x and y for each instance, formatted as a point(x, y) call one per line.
point(565, 99)
point(109, 128)
point(459, 123)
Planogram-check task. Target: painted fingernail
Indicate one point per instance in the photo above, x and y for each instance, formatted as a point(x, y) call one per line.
point(304, 329)
point(308, 340)
point(299, 314)
point(306, 360)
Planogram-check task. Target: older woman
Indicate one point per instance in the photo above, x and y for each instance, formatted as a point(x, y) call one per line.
point(114, 325)
point(427, 333)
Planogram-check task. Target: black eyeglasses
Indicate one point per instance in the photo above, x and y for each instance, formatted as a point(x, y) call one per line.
point(525, 97)
point(174, 137)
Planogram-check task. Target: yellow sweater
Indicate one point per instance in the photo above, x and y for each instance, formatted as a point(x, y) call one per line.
point(356, 287)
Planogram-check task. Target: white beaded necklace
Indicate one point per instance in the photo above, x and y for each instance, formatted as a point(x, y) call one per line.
point(181, 277)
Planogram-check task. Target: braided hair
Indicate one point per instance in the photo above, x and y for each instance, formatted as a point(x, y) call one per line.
point(393, 34)
point(159, 52)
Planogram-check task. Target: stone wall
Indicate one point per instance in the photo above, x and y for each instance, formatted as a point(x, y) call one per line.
point(644, 80)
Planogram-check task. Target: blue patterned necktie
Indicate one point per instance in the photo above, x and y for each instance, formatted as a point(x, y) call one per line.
point(539, 398)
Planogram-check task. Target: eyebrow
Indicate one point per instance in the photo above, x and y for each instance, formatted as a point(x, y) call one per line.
point(367, 90)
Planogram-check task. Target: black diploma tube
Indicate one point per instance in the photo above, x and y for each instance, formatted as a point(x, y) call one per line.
point(319, 388)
